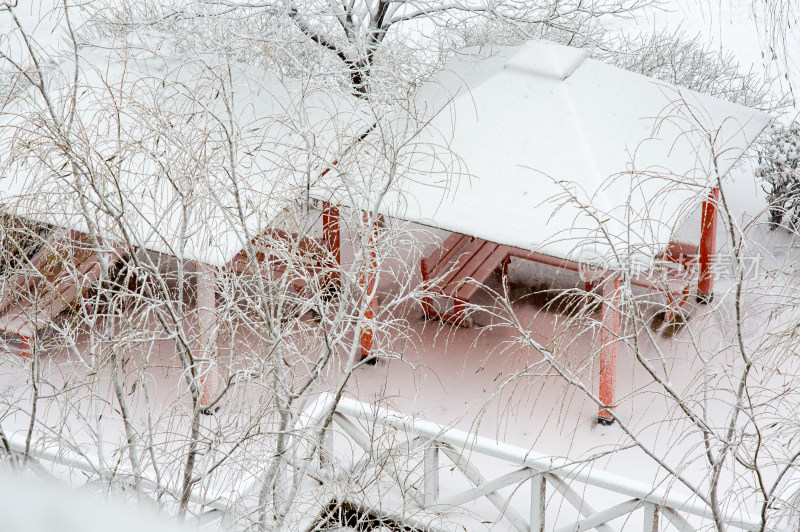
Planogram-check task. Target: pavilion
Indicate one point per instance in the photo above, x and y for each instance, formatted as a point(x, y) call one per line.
point(190, 158)
point(535, 152)
point(541, 153)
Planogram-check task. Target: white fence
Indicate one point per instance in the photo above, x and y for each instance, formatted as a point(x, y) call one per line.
point(562, 496)
point(448, 475)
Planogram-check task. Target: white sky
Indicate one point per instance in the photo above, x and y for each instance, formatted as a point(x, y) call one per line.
point(734, 26)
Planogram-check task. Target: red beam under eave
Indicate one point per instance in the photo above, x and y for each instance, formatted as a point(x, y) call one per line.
point(708, 246)
point(609, 334)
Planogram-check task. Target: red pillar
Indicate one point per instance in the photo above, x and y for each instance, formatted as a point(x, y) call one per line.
point(589, 288)
point(609, 333)
point(504, 267)
point(708, 246)
point(206, 306)
point(367, 283)
point(25, 346)
point(427, 301)
point(331, 237)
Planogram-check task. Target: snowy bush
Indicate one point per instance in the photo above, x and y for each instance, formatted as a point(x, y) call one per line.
point(778, 169)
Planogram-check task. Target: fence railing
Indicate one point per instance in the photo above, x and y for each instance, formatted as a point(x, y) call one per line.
point(446, 471)
point(563, 496)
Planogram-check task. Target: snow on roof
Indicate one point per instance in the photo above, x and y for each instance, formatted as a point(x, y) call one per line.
point(175, 146)
point(535, 147)
point(540, 148)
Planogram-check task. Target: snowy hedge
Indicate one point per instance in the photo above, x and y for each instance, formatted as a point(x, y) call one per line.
point(778, 169)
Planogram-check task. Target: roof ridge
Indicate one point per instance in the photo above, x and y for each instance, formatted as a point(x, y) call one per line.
point(546, 59)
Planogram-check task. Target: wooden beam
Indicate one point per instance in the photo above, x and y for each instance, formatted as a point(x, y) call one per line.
point(445, 253)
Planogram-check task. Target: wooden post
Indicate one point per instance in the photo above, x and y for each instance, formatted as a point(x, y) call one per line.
point(427, 301)
point(504, 268)
point(367, 283)
point(331, 237)
point(708, 246)
point(589, 287)
point(609, 333)
point(25, 346)
point(206, 305)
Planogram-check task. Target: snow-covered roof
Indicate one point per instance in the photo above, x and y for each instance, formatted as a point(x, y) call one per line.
point(542, 148)
point(173, 144)
point(535, 147)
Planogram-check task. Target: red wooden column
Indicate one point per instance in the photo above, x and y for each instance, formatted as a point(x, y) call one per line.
point(504, 267)
point(25, 346)
point(331, 237)
point(589, 287)
point(367, 283)
point(427, 301)
point(708, 246)
point(206, 322)
point(592, 278)
point(609, 334)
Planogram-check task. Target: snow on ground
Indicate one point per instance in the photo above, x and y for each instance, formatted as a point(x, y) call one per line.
point(28, 506)
point(458, 370)
point(44, 22)
point(449, 375)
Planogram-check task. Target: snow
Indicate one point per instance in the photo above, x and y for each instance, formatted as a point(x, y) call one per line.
point(154, 134)
point(29, 506)
point(546, 60)
point(44, 23)
point(551, 152)
point(451, 375)
point(569, 157)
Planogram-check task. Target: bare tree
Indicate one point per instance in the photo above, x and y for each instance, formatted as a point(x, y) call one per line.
point(186, 381)
point(374, 46)
point(779, 18)
point(728, 409)
point(676, 58)
point(169, 372)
